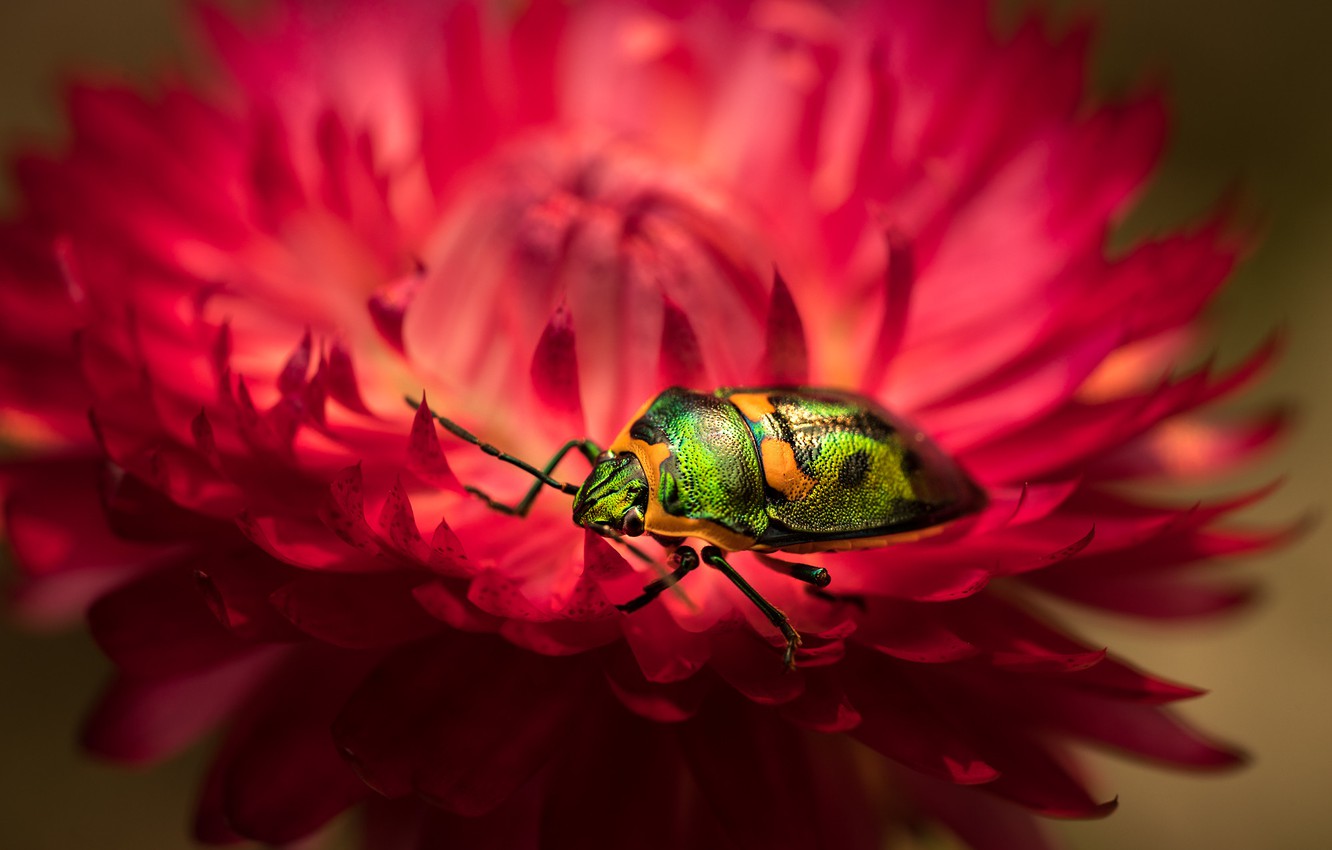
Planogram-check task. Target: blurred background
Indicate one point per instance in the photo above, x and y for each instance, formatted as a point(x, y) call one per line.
point(1250, 84)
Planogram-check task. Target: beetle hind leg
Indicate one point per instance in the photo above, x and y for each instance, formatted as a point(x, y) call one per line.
point(715, 559)
point(809, 574)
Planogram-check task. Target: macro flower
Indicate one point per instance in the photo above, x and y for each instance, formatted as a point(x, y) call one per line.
point(222, 308)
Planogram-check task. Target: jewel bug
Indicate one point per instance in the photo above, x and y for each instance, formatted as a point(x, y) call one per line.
point(790, 469)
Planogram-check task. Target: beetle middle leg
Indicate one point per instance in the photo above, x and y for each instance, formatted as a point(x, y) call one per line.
point(714, 558)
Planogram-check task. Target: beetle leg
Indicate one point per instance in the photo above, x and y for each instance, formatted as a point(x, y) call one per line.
point(688, 559)
point(807, 573)
point(714, 558)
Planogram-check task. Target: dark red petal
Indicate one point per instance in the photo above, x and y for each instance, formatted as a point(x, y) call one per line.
point(1143, 730)
point(824, 705)
point(927, 575)
point(898, 280)
point(237, 587)
point(664, 651)
point(980, 820)
point(771, 787)
point(554, 367)
point(144, 720)
point(681, 358)
point(356, 611)
point(161, 626)
point(67, 554)
point(54, 519)
point(912, 632)
point(536, 35)
point(306, 544)
point(785, 358)
point(515, 825)
point(1033, 776)
point(1015, 640)
point(747, 663)
point(344, 510)
point(425, 456)
point(278, 775)
point(448, 603)
point(588, 805)
point(276, 188)
point(1120, 681)
point(397, 525)
point(560, 637)
point(1154, 597)
point(394, 824)
point(463, 720)
point(292, 377)
point(508, 726)
point(388, 305)
point(905, 719)
point(341, 376)
point(663, 702)
point(494, 592)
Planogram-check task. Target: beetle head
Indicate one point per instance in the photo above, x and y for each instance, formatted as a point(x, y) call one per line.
point(613, 497)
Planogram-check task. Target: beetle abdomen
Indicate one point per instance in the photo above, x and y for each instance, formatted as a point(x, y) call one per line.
point(836, 467)
point(790, 468)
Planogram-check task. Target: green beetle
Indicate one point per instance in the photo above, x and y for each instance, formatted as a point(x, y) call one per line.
point(795, 469)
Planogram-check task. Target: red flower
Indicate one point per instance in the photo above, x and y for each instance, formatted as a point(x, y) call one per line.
point(541, 219)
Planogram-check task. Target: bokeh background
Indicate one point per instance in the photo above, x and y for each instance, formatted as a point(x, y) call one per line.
point(1250, 83)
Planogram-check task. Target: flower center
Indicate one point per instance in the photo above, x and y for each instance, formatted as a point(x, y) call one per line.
point(623, 254)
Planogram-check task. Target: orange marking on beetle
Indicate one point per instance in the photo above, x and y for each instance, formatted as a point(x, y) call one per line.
point(781, 471)
point(754, 406)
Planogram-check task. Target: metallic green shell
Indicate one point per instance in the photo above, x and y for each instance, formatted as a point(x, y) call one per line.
point(791, 466)
point(713, 470)
point(870, 473)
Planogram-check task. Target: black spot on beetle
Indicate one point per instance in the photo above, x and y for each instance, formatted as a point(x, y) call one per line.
point(643, 430)
point(669, 492)
point(852, 472)
point(910, 462)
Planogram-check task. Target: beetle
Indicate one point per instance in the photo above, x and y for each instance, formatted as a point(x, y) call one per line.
point(763, 469)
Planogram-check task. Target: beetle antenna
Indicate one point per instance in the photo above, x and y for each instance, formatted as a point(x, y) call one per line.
point(462, 433)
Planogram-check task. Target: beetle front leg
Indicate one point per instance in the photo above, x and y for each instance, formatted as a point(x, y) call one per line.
point(688, 559)
point(715, 559)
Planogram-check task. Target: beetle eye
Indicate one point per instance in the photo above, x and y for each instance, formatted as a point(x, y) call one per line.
point(632, 524)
